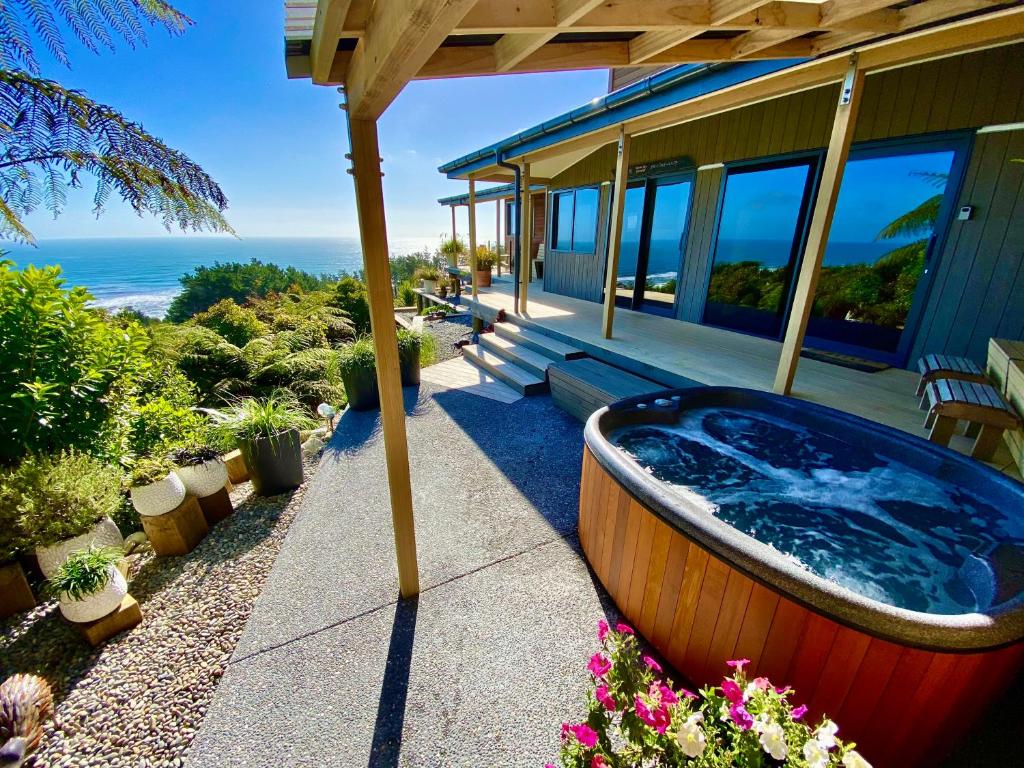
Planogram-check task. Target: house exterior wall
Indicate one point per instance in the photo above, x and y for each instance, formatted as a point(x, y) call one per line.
point(978, 288)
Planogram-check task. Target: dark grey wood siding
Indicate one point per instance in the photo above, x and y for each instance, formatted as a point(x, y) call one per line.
point(977, 288)
point(580, 275)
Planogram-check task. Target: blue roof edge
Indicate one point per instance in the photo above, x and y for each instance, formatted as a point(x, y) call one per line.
point(485, 195)
point(658, 91)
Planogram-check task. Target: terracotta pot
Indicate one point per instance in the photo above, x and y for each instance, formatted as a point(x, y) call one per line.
point(202, 480)
point(97, 605)
point(160, 497)
point(275, 464)
point(483, 278)
point(104, 534)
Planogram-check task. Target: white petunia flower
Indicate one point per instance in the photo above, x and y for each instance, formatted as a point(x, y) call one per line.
point(773, 740)
point(852, 759)
point(815, 754)
point(691, 736)
point(826, 734)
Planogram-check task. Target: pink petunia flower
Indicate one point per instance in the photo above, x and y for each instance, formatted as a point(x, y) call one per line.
point(585, 735)
point(738, 664)
point(548, 765)
point(602, 630)
point(602, 695)
point(799, 712)
point(653, 665)
point(688, 694)
point(732, 691)
point(657, 718)
point(782, 690)
point(565, 731)
point(599, 665)
point(624, 629)
point(741, 717)
point(598, 761)
point(667, 695)
point(762, 684)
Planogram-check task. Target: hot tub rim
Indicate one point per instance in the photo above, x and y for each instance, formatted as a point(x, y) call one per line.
point(1001, 626)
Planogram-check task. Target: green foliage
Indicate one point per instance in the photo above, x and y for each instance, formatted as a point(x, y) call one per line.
point(236, 324)
point(312, 375)
point(428, 349)
point(406, 294)
point(149, 470)
point(291, 311)
point(451, 249)
point(217, 367)
point(60, 363)
point(428, 272)
point(408, 340)
point(60, 497)
point(486, 258)
point(13, 538)
point(84, 573)
point(358, 356)
point(252, 418)
point(444, 309)
point(403, 268)
point(205, 286)
point(350, 297)
point(194, 455)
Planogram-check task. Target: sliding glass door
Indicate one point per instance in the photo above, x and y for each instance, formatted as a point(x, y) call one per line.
point(653, 243)
point(760, 234)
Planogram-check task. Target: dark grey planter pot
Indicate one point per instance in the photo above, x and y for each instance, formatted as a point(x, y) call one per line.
point(409, 365)
point(361, 389)
point(275, 465)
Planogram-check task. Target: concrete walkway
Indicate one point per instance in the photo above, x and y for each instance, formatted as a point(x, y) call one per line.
point(334, 671)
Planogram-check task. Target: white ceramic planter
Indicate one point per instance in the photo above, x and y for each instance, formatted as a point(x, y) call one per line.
point(160, 497)
point(204, 480)
point(104, 534)
point(429, 286)
point(98, 604)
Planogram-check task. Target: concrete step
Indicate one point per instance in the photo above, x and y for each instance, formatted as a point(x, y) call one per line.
point(520, 379)
point(524, 357)
point(538, 342)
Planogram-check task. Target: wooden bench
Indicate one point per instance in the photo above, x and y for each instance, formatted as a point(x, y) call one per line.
point(934, 367)
point(951, 400)
point(585, 385)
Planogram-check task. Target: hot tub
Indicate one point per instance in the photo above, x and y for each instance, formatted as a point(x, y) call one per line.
point(878, 574)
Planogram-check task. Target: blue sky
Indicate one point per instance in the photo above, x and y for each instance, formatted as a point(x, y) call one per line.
point(219, 93)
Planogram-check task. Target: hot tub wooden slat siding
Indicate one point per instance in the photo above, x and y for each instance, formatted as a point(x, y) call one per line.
point(903, 706)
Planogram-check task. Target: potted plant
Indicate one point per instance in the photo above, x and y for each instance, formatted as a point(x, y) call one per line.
point(155, 488)
point(358, 367)
point(88, 584)
point(64, 503)
point(428, 275)
point(201, 469)
point(442, 289)
point(485, 259)
point(409, 345)
point(267, 431)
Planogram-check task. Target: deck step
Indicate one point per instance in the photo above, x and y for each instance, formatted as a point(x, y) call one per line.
point(538, 342)
point(526, 358)
point(521, 380)
point(581, 387)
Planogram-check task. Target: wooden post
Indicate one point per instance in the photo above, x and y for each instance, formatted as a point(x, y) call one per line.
point(472, 233)
point(525, 238)
point(615, 236)
point(497, 233)
point(453, 222)
point(821, 223)
point(373, 235)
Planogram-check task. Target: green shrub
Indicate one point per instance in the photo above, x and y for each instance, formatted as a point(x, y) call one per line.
point(59, 363)
point(149, 470)
point(428, 349)
point(194, 455)
point(84, 573)
point(428, 272)
point(359, 355)
point(252, 418)
point(408, 340)
point(205, 286)
point(236, 324)
point(13, 539)
point(486, 258)
point(60, 497)
point(350, 297)
point(406, 295)
point(213, 364)
point(403, 268)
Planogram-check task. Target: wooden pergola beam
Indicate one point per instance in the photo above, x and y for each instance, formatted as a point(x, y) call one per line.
point(512, 49)
point(401, 35)
point(327, 28)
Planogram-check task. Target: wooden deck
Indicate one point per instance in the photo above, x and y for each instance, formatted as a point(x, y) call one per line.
point(662, 348)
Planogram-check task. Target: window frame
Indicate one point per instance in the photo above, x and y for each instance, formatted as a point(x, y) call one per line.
point(555, 199)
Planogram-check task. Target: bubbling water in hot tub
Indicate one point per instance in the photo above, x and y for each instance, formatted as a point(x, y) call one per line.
point(867, 522)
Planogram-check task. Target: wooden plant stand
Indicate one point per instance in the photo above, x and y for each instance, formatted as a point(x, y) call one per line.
point(216, 506)
point(237, 471)
point(177, 532)
point(15, 593)
point(127, 615)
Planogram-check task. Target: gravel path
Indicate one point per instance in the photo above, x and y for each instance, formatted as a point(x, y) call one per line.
point(139, 699)
point(447, 332)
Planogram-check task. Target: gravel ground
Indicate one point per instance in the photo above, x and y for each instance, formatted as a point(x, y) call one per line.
point(139, 699)
point(447, 332)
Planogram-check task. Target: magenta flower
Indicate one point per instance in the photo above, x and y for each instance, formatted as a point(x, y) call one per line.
point(653, 665)
point(738, 664)
point(597, 761)
point(548, 765)
point(657, 718)
point(624, 629)
point(602, 630)
point(762, 684)
point(664, 693)
point(688, 694)
point(599, 665)
point(585, 735)
point(732, 691)
point(741, 717)
point(602, 695)
point(783, 690)
point(799, 712)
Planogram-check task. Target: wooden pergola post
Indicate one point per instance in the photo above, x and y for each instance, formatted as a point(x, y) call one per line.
point(497, 233)
point(453, 221)
point(373, 235)
point(615, 236)
point(525, 238)
point(472, 233)
point(821, 222)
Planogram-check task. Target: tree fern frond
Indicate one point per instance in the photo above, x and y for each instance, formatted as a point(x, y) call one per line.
point(113, 15)
point(41, 18)
point(91, 22)
point(69, 11)
point(11, 227)
point(15, 45)
point(918, 221)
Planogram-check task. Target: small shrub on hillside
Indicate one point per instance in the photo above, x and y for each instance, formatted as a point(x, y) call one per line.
point(406, 294)
point(350, 297)
point(216, 366)
point(60, 497)
point(238, 325)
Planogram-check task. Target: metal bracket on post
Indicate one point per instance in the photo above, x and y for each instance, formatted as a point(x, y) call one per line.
point(846, 95)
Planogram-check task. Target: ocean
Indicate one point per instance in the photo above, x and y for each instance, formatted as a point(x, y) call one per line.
point(143, 273)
